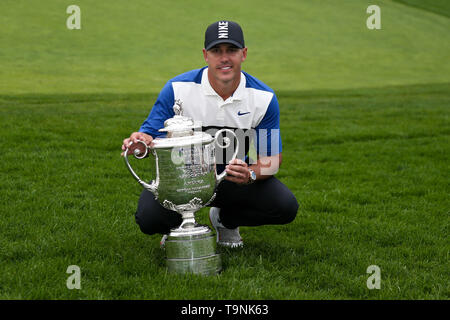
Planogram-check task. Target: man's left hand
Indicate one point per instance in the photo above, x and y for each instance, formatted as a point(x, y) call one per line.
point(237, 172)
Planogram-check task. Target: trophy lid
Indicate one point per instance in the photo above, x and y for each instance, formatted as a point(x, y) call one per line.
point(179, 125)
point(181, 130)
point(196, 138)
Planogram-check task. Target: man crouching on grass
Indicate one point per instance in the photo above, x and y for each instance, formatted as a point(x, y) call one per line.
point(222, 96)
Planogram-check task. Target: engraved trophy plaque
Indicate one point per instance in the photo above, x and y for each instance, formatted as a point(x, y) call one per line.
point(186, 180)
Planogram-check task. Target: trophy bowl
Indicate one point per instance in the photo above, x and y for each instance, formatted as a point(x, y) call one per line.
point(186, 180)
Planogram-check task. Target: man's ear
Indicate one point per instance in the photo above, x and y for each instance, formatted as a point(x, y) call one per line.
point(205, 55)
point(244, 54)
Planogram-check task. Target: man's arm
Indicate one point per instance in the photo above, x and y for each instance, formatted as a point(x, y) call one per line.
point(267, 166)
point(161, 111)
point(238, 171)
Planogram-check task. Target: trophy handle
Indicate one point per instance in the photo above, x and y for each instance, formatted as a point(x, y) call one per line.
point(221, 176)
point(153, 186)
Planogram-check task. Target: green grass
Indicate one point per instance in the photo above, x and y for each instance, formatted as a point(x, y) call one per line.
point(369, 168)
point(365, 128)
point(437, 6)
point(293, 45)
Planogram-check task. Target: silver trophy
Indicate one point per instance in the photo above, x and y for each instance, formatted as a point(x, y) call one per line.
point(186, 180)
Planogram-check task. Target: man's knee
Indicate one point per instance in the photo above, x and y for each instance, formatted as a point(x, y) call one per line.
point(288, 207)
point(151, 223)
point(152, 218)
point(146, 225)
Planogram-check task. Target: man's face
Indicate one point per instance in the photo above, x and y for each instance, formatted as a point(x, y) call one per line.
point(224, 61)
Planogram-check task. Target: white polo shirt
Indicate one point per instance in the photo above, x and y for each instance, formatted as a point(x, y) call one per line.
point(252, 106)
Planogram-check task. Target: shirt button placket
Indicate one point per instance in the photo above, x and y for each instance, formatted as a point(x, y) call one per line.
point(220, 113)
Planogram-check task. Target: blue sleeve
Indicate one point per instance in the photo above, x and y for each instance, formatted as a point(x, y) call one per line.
point(268, 138)
point(161, 111)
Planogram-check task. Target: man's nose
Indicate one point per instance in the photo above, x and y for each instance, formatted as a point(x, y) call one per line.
point(224, 56)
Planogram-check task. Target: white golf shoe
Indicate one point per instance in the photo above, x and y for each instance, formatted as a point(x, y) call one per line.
point(225, 237)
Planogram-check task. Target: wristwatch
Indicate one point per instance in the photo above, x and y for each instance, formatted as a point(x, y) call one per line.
point(252, 177)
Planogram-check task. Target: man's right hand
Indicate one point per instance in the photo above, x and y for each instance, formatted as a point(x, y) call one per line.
point(134, 137)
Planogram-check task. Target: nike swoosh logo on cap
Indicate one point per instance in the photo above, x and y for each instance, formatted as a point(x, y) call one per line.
point(241, 114)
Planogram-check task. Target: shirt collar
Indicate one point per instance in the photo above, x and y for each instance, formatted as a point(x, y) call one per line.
point(209, 91)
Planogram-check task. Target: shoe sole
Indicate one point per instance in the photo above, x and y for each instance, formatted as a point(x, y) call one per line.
point(231, 245)
point(225, 244)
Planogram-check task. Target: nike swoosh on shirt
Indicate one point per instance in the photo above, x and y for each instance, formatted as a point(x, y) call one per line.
point(241, 114)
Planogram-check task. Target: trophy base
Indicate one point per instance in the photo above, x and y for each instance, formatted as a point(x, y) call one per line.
point(192, 250)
